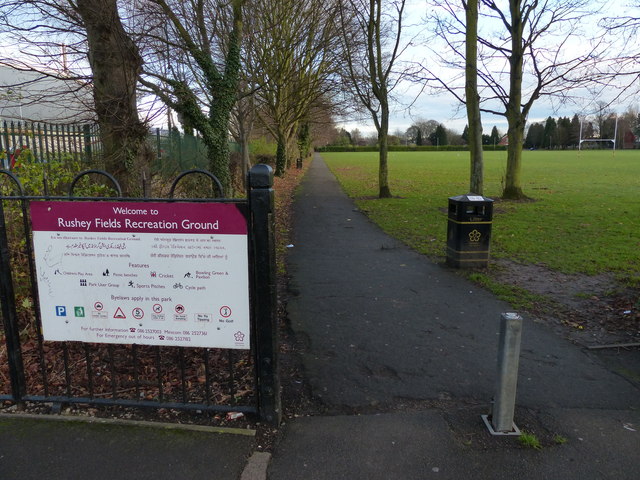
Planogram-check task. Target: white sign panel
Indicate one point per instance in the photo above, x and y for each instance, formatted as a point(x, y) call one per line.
point(145, 273)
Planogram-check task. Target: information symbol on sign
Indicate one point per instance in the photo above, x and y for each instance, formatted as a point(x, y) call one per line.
point(79, 311)
point(61, 311)
point(225, 312)
point(119, 314)
point(157, 308)
point(137, 313)
point(98, 306)
point(179, 309)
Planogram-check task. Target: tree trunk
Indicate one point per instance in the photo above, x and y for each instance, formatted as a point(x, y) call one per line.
point(512, 185)
point(116, 64)
point(224, 96)
point(292, 144)
point(245, 157)
point(473, 100)
point(281, 155)
point(516, 120)
point(383, 145)
point(244, 125)
point(218, 147)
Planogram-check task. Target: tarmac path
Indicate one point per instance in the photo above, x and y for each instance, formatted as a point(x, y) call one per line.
point(400, 341)
point(385, 323)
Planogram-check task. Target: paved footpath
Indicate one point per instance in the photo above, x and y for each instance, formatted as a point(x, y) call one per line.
point(402, 352)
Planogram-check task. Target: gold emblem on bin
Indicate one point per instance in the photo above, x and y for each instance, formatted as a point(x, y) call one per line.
point(474, 236)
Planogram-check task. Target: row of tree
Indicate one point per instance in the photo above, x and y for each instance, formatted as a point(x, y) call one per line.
point(511, 54)
point(421, 133)
point(285, 65)
point(434, 133)
point(567, 133)
point(220, 66)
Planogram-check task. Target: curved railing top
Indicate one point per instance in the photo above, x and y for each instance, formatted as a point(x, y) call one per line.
point(111, 178)
point(15, 179)
point(217, 189)
point(207, 173)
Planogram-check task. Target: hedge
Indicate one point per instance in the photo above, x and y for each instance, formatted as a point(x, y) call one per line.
point(407, 148)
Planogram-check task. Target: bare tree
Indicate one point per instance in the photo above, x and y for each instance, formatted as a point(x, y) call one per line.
point(193, 50)
point(623, 70)
point(474, 133)
point(293, 60)
point(243, 117)
point(423, 129)
point(528, 49)
point(56, 38)
point(116, 64)
point(372, 44)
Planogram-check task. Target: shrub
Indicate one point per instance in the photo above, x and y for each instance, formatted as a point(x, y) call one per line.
point(54, 177)
point(262, 147)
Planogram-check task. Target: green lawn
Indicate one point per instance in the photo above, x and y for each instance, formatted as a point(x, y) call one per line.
point(585, 217)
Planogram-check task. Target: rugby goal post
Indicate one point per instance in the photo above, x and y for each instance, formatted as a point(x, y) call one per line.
point(598, 140)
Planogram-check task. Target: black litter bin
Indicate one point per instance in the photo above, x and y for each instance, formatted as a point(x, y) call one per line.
point(469, 231)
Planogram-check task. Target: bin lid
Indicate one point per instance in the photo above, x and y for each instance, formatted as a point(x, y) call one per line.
point(470, 198)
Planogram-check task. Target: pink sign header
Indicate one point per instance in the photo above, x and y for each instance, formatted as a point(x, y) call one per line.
point(139, 217)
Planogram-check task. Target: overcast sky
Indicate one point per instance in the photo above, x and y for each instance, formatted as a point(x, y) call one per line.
point(445, 109)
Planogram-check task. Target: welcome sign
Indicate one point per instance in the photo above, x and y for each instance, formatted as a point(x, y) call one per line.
point(148, 273)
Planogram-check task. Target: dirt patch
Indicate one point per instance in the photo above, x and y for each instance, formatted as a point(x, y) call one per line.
point(591, 310)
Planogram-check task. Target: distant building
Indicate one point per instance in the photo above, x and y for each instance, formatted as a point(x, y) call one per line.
point(630, 140)
point(35, 97)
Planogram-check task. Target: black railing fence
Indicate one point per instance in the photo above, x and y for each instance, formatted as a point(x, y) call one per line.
point(47, 142)
point(174, 151)
point(34, 369)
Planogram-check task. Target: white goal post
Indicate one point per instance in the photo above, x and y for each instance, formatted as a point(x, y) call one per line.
point(612, 140)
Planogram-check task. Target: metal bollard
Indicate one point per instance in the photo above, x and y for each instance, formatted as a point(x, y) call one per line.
point(508, 359)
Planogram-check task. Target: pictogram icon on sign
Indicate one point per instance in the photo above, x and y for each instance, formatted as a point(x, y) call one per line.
point(98, 306)
point(137, 313)
point(157, 308)
point(119, 314)
point(225, 312)
point(179, 309)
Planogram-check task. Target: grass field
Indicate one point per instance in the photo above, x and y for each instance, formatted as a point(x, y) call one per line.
point(585, 217)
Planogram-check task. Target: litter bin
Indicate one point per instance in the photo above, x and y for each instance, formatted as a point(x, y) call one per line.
point(469, 231)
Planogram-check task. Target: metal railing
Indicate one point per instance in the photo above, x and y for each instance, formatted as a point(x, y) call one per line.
point(174, 151)
point(33, 369)
point(47, 141)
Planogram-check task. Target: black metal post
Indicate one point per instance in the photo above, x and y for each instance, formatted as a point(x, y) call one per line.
point(158, 147)
point(87, 143)
point(262, 236)
point(9, 315)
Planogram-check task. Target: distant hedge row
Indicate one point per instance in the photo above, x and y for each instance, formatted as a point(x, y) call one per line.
point(408, 148)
